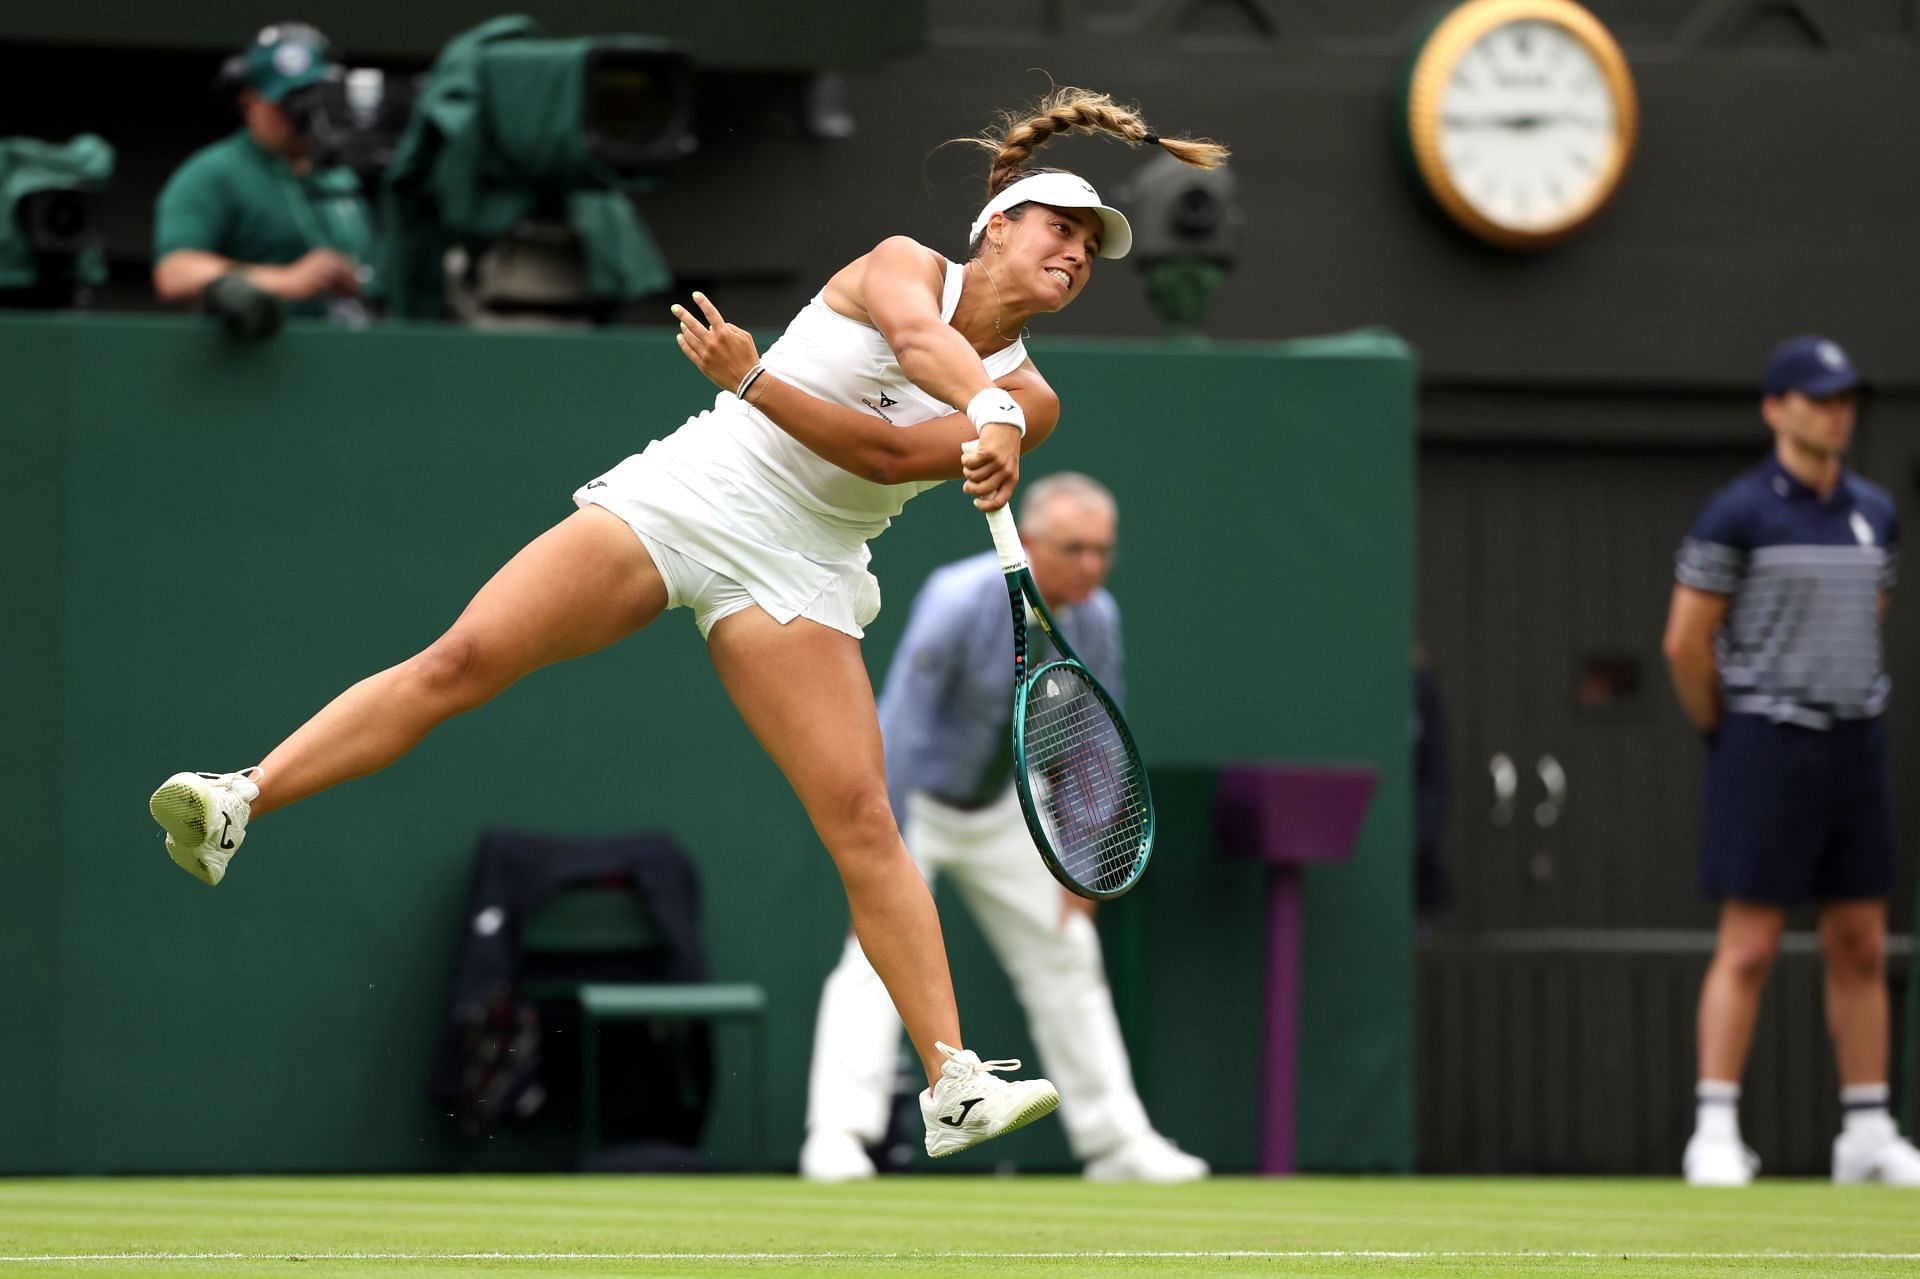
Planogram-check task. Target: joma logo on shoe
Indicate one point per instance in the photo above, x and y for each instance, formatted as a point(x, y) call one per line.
point(965, 1106)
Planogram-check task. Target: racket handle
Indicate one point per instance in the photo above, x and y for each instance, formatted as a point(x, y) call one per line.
point(1006, 540)
point(1006, 536)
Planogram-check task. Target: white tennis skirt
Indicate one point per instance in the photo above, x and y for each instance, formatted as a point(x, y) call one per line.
point(725, 539)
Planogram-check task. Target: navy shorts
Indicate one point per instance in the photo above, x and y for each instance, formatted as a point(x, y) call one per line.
point(1797, 815)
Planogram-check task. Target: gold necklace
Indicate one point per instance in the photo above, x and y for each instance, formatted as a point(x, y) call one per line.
point(998, 305)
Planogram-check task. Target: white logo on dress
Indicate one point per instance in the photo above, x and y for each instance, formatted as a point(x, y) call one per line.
point(1862, 529)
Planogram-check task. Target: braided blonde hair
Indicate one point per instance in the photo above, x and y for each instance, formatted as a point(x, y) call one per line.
point(1017, 135)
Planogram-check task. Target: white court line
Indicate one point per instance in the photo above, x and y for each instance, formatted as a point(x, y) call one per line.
point(1319, 1254)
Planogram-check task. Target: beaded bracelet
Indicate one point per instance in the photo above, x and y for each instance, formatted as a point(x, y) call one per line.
point(752, 375)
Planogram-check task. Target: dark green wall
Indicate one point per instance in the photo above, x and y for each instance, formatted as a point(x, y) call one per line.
point(209, 541)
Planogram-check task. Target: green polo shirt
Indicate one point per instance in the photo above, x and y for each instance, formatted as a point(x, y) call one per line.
point(242, 201)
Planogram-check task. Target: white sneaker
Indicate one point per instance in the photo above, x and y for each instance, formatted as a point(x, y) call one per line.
point(205, 817)
point(967, 1105)
point(830, 1157)
point(1148, 1157)
point(1875, 1154)
point(1719, 1161)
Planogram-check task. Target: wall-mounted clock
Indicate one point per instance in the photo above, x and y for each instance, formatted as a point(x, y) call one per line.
point(1521, 118)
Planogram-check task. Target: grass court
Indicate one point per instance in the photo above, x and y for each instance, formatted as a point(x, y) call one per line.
point(1007, 1227)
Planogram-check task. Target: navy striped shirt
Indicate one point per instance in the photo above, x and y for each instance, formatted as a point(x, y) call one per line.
point(946, 710)
point(1801, 643)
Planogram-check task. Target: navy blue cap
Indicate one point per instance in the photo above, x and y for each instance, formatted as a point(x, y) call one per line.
point(1813, 366)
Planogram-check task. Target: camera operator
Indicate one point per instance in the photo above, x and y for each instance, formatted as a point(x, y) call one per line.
point(257, 206)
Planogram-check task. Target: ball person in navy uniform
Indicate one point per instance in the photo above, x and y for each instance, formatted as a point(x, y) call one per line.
point(1773, 642)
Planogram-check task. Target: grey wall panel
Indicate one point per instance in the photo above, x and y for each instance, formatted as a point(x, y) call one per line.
point(1576, 1056)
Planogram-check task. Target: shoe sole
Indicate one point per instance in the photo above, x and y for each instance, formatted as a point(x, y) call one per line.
point(181, 809)
point(1038, 1109)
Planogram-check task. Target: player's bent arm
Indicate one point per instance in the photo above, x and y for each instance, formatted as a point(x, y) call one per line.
point(851, 440)
point(886, 454)
point(858, 442)
point(862, 443)
point(1692, 619)
point(931, 450)
point(900, 290)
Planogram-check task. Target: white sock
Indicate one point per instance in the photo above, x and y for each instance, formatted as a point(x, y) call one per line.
point(1718, 1113)
point(1863, 1108)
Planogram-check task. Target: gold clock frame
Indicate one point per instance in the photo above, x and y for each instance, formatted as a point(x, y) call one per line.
point(1433, 66)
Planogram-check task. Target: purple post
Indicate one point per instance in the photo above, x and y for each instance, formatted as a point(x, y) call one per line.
point(1287, 815)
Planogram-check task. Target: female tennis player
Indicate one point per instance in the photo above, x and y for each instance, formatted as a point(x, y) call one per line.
point(756, 515)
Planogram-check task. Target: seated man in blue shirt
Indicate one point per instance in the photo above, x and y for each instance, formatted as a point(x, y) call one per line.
point(945, 715)
point(1774, 646)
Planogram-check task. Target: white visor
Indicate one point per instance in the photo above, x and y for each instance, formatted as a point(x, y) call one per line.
point(1061, 191)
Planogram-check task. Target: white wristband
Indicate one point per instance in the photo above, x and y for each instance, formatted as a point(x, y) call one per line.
point(995, 405)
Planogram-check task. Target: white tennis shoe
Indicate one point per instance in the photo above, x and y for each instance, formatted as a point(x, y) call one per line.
point(205, 817)
point(968, 1105)
point(1875, 1153)
point(1718, 1161)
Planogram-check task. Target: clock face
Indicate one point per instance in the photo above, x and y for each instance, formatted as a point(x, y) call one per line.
point(1522, 118)
point(1527, 126)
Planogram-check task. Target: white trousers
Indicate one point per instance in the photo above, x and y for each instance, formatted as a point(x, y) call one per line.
point(1055, 967)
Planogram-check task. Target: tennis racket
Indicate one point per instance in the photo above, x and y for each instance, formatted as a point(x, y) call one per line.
point(1082, 784)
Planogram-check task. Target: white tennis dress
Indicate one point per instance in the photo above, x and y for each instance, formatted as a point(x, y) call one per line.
point(753, 506)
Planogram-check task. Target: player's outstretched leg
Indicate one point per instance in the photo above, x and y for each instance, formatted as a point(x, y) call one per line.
point(803, 690)
point(578, 587)
point(1048, 945)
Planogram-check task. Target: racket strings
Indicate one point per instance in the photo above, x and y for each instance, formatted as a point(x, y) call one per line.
point(1089, 788)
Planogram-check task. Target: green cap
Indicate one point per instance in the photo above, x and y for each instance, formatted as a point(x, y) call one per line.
point(285, 57)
